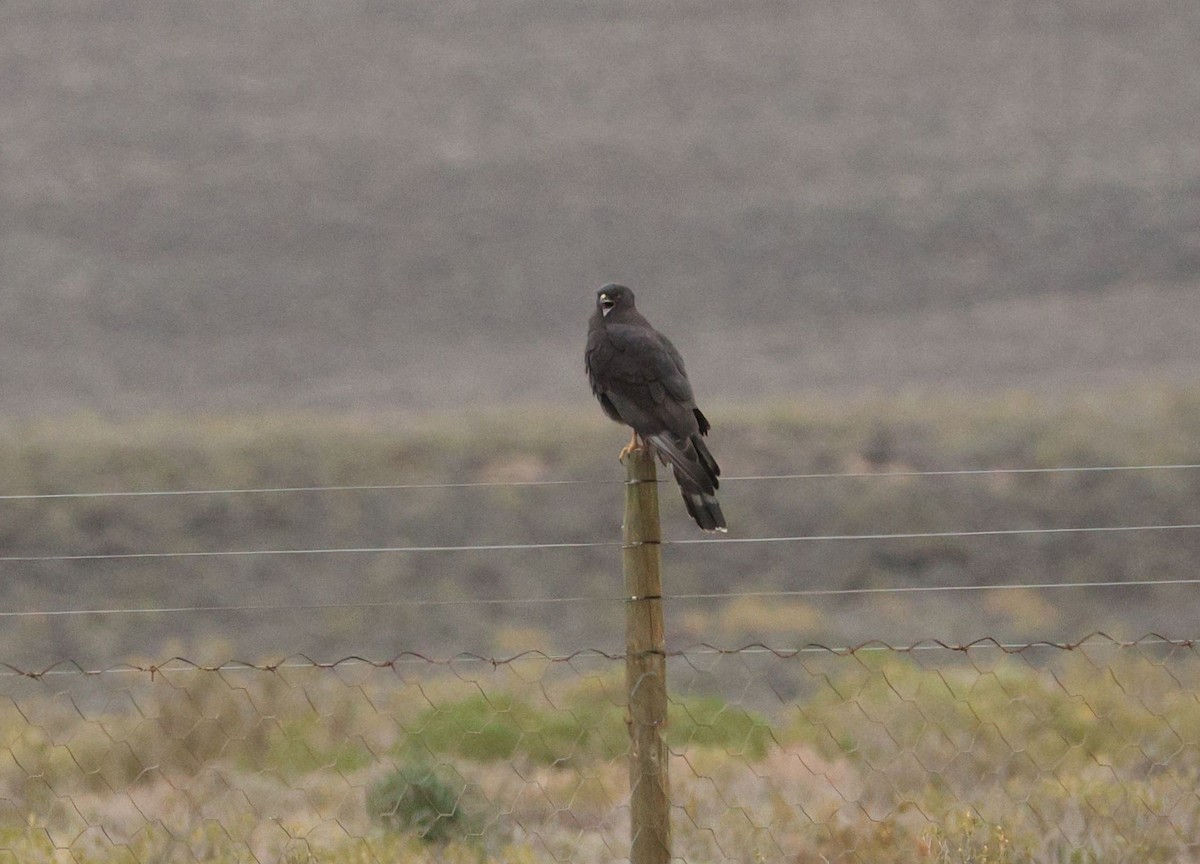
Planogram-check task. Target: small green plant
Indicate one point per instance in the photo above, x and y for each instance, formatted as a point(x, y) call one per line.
point(502, 726)
point(422, 799)
point(302, 746)
point(713, 723)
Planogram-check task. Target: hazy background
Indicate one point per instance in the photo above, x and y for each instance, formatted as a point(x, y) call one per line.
point(221, 206)
point(289, 213)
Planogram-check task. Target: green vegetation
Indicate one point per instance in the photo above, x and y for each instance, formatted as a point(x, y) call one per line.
point(505, 728)
point(422, 799)
point(709, 722)
point(985, 757)
point(578, 728)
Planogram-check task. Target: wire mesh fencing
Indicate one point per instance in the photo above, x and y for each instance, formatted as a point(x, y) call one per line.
point(984, 753)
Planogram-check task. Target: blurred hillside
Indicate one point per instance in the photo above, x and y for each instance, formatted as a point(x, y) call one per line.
point(378, 205)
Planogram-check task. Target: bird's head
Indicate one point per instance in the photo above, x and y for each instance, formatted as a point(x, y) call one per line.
point(612, 297)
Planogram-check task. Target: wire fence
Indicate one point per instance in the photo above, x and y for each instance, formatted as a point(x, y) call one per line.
point(993, 751)
point(151, 555)
point(987, 752)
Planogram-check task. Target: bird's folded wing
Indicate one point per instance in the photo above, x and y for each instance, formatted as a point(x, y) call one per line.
point(642, 355)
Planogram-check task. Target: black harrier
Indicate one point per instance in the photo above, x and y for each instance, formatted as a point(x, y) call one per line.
point(639, 378)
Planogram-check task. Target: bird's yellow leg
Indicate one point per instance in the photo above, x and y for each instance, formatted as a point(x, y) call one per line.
point(634, 444)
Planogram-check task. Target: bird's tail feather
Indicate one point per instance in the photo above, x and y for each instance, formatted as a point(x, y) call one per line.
point(696, 473)
point(689, 469)
point(706, 458)
point(706, 510)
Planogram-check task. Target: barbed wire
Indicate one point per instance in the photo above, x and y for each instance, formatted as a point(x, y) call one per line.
point(484, 484)
point(511, 547)
point(1094, 639)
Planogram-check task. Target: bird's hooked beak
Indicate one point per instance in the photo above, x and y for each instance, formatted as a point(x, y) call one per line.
point(606, 304)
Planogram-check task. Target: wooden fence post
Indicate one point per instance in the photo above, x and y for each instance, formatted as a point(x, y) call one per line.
point(645, 664)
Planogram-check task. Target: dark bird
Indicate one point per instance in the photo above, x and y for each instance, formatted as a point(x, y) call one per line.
point(638, 376)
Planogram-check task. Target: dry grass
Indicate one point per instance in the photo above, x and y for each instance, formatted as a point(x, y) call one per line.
point(983, 759)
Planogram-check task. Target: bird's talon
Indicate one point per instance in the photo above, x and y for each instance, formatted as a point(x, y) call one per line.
point(634, 444)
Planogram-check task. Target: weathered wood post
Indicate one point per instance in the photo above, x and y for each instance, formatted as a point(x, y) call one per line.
point(645, 664)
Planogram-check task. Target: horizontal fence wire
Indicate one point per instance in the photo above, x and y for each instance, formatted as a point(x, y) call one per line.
point(486, 484)
point(540, 601)
point(986, 752)
point(597, 544)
